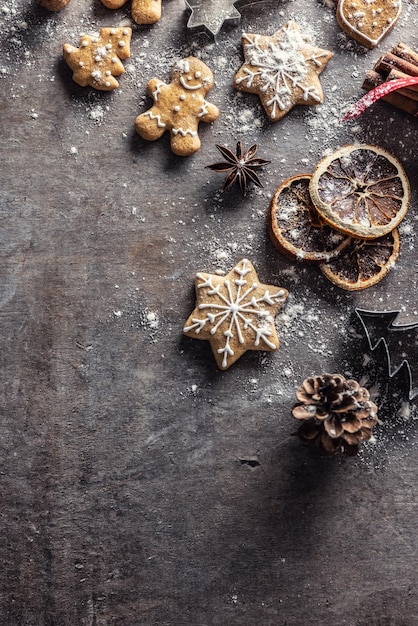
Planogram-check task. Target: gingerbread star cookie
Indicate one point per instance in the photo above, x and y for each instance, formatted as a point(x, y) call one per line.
point(179, 107)
point(98, 59)
point(235, 313)
point(282, 70)
point(143, 11)
point(368, 21)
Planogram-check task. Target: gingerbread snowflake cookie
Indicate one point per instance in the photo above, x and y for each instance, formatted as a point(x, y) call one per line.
point(368, 21)
point(98, 59)
point(282, 70)
point(235, 313)
point(179, 107)
point(143, 11)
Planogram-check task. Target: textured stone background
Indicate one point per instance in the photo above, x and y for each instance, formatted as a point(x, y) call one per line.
point(139, 484)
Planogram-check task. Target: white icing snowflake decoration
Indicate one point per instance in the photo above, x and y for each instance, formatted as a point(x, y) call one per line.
point(282, 69)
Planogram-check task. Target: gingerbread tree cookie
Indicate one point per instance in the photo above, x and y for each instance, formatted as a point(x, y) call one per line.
point(235, 313)
point(282, 70)
point(98, 59)
point(179, 107)
point(143, 11)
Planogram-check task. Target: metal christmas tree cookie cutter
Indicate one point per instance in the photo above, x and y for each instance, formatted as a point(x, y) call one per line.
point(407, 339)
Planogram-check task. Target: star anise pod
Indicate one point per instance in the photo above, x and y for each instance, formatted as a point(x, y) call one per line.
point(240, 167)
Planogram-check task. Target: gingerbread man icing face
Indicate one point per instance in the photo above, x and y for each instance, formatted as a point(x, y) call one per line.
point(179, 107)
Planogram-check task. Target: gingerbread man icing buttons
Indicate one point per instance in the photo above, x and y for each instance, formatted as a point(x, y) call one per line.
point(282, 70)
point(235, 313)
point(143, 11)
point(179, 107)
point(368, 21)
point(98, 59)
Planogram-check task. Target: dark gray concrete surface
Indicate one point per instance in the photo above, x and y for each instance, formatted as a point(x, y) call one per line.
point(139, 484)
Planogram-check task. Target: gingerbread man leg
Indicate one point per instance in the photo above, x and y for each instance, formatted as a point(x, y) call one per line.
point(146, 11)
point(184, 139)
point(184, 136)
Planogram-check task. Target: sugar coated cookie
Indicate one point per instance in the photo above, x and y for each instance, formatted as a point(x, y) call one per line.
point(179, 107)
point(98, 59)
point(282, 70)
point(235, 313)
point(368, 21)
point(143, 11)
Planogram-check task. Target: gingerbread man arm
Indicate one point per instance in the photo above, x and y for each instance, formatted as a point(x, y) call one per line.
point(209, 112)
point(152, 124)
point(149, 125)
point(154, 87)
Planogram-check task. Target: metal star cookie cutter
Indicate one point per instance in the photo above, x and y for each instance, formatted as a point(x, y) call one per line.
point(380, 330)
point(210, 15)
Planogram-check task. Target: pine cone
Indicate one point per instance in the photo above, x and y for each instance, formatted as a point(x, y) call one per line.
point(338, 414)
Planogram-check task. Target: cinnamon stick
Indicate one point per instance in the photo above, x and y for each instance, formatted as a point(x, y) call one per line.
point(406, 53)
point(389, 61)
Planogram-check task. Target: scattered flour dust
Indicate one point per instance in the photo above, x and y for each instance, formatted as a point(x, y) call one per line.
point(144, 319)
point(97, 113)
point(136, 315)
point(296, 318)
point(151, 319)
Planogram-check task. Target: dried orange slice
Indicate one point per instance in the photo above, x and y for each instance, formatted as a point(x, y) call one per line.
point(295, 227)
point(363, 263)
point(361, 190)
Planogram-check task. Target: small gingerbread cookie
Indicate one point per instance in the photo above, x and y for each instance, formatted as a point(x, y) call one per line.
point(143, 11)
point(97, 61)
point(179, 107)
point(282, 70)
point(235, 313)
point(53, 5)
point(368, 21)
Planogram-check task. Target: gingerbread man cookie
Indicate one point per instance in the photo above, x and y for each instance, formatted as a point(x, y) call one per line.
point(179, 106)
point(97, 61)
point(143, 11)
